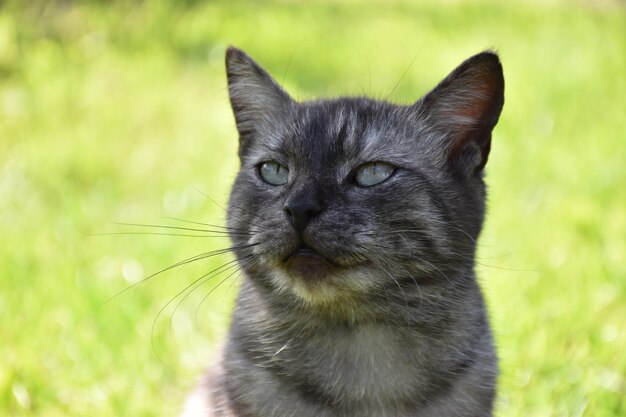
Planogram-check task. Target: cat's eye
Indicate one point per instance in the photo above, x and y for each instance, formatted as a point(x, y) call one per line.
point(373, 173)
point(273, 173)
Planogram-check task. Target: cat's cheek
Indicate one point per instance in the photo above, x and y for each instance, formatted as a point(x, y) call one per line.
point(274, 244)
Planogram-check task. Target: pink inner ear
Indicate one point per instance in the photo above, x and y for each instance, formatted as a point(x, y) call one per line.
point(466, 106)
point(474, 110)
point(477, 103)
point(471, 115)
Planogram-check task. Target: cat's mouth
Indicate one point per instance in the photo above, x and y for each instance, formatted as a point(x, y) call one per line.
point(306, 251)
point(308, 262)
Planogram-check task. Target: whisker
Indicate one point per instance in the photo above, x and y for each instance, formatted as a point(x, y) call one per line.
point(419, 289)
point(438, 270)
point(502, 268)
point(293, 53)
point(464, 232)
point(189, 229)
point(201, 256)
point(431, 221)
point(206, 224)
point(248, 262)
point(228, 211)
point(210, 274)
point(374, 259)
point(406, 301)
point(225, 234)
point(407, 70)
point(206, 277)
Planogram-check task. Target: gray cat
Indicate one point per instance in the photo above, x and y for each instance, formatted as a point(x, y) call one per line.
point(355, 224)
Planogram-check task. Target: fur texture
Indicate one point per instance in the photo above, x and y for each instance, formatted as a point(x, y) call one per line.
point(367, 305)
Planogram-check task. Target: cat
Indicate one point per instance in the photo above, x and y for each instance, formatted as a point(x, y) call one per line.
point(354, 222)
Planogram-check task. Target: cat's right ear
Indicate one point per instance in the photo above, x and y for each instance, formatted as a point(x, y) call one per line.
point(257, 100)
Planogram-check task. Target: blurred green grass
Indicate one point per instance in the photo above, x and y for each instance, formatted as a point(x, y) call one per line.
point(118, 111)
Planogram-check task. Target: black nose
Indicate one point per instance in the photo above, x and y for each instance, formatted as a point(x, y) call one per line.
point(301, 210)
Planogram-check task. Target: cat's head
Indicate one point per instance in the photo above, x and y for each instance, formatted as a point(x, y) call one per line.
point(352, 195)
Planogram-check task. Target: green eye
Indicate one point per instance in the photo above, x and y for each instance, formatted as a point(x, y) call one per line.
point(273, 173)
point(373, 173)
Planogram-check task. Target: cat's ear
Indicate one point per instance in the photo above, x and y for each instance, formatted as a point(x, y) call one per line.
point(464, 108)
point(258, 102)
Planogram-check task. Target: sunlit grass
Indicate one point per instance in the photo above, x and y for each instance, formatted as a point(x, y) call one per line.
point(119, 113)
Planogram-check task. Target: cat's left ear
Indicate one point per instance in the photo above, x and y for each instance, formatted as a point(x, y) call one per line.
point(258, 102)
point(464, 108)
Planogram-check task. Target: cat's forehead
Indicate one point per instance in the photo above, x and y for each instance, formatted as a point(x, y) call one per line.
point(348, 130)
point(340, 133)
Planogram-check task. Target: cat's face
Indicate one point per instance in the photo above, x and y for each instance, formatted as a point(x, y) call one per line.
point(343, 197)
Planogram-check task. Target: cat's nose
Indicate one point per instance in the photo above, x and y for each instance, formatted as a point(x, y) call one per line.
point(301, 210)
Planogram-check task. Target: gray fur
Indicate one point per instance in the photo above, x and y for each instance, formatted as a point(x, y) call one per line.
point(398, 327)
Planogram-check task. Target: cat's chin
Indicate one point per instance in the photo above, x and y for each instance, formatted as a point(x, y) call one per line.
point(318, 281)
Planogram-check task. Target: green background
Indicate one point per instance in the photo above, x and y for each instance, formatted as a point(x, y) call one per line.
point(118, 112)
